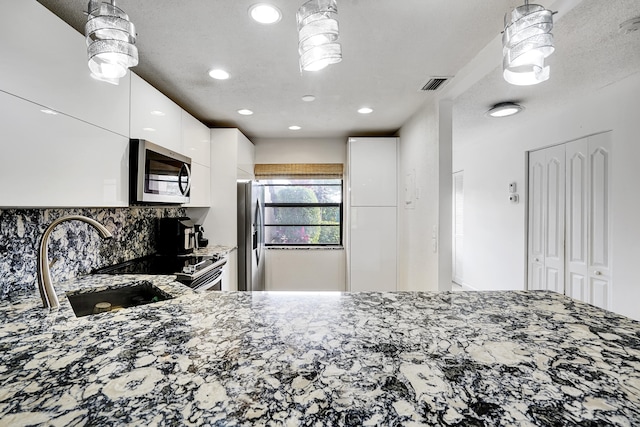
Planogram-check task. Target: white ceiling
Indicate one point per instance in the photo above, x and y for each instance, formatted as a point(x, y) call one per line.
point(390, 49)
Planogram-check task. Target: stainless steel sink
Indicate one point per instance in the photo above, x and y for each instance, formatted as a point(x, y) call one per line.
point(86, 302)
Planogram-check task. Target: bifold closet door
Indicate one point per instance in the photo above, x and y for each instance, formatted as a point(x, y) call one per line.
point(588, 229)
point(546, 219)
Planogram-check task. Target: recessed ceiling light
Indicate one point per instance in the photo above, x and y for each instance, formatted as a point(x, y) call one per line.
point(505, 109)
point(245, 112)
point(157, 113)
point(265, 13)
point(48, 111)
point(218, 74)
point(149, 129)
point(308, 98)
point(294, 127)
point(365, 110)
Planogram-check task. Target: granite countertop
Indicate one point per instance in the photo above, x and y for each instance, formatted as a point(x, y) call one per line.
point(233, 358)
point(214, 250)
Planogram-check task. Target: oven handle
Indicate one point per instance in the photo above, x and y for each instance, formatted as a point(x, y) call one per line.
point(208, 285)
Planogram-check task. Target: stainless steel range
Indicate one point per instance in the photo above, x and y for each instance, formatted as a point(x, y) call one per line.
point(197, 272)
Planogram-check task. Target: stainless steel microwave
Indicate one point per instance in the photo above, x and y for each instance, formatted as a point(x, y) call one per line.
point(157, 174)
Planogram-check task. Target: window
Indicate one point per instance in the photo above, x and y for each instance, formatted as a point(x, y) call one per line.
point(303, 212)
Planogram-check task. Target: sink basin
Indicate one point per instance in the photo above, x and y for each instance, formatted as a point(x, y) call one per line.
point(86, 302)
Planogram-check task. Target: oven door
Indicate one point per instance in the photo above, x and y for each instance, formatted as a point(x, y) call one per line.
point(207, 279)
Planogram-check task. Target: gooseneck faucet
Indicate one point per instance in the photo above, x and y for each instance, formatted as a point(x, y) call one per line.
point(45, 285)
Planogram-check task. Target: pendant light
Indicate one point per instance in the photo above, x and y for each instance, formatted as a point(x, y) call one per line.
point(526, 42)
point(318, 35)
point(111, 39)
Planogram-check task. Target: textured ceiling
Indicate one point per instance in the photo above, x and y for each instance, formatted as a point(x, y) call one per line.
point(390, 49)
point(590, 53)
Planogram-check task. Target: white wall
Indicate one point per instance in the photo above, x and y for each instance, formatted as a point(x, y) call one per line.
point(494, 246)
point(417, 260)
point(304, 269)
point(301, 150)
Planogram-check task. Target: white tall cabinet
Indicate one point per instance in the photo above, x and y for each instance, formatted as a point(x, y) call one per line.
point(372, 214)
point(569, 226)
point(232, 158)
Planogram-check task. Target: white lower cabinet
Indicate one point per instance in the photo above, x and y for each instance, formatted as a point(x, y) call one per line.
point(373, 251)
point(54, 160)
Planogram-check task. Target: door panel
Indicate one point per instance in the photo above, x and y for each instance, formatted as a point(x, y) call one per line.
point(578, 287)
point(577, 225)
point(600, 293)
point(599, 221)
point(458, 224)
point(581, 189)
point(536, 220)
point(599, 207)
point(554, 218)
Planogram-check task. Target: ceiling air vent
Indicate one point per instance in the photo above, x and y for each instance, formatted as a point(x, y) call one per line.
point(434, 83)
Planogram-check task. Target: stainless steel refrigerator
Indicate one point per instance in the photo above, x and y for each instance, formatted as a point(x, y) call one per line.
point(251, 276)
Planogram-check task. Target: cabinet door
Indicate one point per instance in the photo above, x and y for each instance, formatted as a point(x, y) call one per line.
point(59, 161)
point(373, 252)
point(44, 60)
point(154, 117)
point(200, 195)
point(246, 157)
point(196, 140)
point(373, 171)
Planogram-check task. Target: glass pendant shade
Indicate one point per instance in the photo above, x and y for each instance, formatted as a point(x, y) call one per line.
point(526, 43)
point(318, 35)
point(111, 39)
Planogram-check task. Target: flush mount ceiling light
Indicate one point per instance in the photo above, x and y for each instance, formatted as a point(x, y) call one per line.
point(308, 98)
point(218, 74)
point(318, 35)
point(245, 112)
point(111, 39)
point(294, 127)
point(365, 110)
point(526, 42)
point(505, 109)
point(265, 13)
point(630, 26)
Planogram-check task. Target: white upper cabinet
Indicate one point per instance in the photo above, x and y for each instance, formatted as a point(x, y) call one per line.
point(200, 195)
point(373, 171)
point(44, 60)
point(246, 157)
point(54, 160)
point(154, 117)
point(196, 140)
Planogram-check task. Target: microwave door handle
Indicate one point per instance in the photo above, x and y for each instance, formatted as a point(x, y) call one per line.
point(188, 171)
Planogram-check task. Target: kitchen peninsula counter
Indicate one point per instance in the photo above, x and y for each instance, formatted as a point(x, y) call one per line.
point(233, 358)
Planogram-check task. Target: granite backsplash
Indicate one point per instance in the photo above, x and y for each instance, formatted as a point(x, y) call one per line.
point(75, 247)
